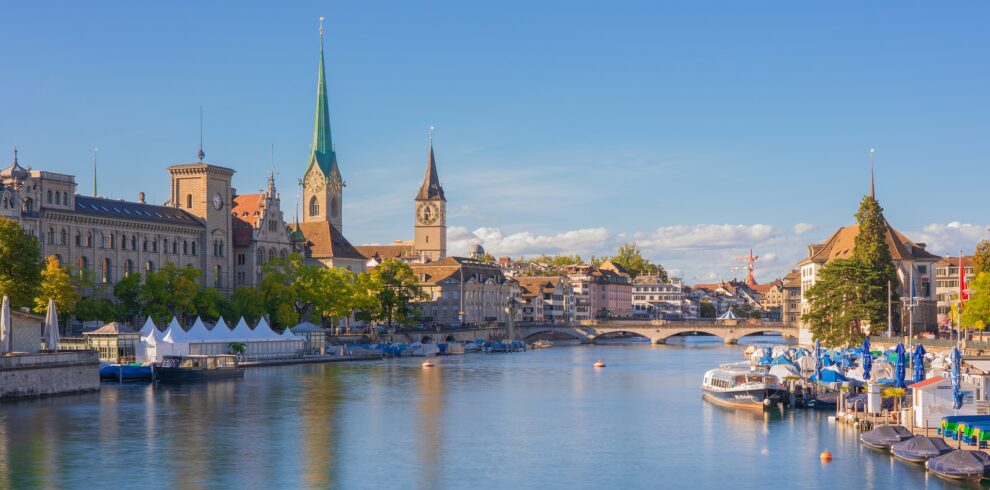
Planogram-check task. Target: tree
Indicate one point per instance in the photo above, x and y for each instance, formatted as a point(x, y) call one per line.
point(706, 310)
point(631, 259)
point(20, 264)
point(870, 247)
point(250, 304)
point(338, 294)
point(290, 287)
point(128, 294)
point(95, 308)
point(390, 291)
point(976, 310)
point(208, 303)
point(169, 292)
point(843, 299)
point(56, 284)
point(981, 259)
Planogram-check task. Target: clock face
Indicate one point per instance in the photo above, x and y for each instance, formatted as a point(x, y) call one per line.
point(315, 182)
point(217, 201)
point(428, 213)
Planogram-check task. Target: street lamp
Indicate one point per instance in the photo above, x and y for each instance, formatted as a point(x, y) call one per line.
point(510, 308)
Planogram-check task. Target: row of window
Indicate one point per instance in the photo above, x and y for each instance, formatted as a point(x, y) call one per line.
point(107, 270)
point(131, 243)
point(60, 197)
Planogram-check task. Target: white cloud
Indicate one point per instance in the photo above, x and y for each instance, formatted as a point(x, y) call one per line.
point(693, 237)
point(802, 228)
point(950, 238)
point(585, 241)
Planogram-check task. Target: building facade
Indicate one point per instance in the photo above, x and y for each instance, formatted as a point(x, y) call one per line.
point(463, 291)
point(947, 284)
point(655, 299)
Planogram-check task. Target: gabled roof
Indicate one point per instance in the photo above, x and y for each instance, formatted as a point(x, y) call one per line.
point(323, 240)
point(98, 206)
point(249, 208)
point(927, 382)
point(453, 269)
point(841, 244)
point(112, 329)
point(386, 251)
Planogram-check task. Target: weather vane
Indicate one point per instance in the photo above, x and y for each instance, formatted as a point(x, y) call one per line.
point(321, 26)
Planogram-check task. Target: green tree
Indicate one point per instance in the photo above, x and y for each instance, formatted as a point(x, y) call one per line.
point(631, 259)
point(127, 291)
point(169, 292)
point(843, 299)
point(981, 259)
point(870, 247)
point(290, 288)
point(338, 294)
point(56, 284)
point(95, 308)
point(208, 303)
point(706, 310)
point(390, 294)
point(20, 264)
point(976, 310)
point(250, 304)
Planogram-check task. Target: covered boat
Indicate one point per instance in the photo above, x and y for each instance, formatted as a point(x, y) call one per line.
point(920, 448)
point(184, 369)
point(884, 436)
point(960, 464)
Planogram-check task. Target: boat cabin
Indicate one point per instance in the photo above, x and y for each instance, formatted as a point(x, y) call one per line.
point(728, 380)
point(200, 362)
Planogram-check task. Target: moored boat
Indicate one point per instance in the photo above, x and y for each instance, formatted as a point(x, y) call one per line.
point(920, 449)
point(884, 436)
point(188, 369)
point(961, 464)
point(126, 372)
point(742, 388)
point(541, 344)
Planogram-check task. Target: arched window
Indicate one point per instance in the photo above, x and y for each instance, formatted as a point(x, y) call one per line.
point(89, 239)
point(217, 277)
point(113, 241)
point(64, 237)
point(175, 247)
point(133, 242)
point(144, 245)
point(261, 256)
point(65, 198)
point(194, 248)
point(83, 266)
point(314, 206)
point(154, 245)
point(149, 267)
point(78, 239)
point(189, 201)
point(103, 241)
point(216, 248)
point(271, 254)
point(165, 245)
point(106, 275)
point(333, 207)
point(185, 247)
point(49, 196)
point(51, 236)
point(58, 198)
point(283, 253)
point(221, 248)
point(128, 267)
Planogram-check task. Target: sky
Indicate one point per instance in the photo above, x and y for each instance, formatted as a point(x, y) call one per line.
point(698, 130)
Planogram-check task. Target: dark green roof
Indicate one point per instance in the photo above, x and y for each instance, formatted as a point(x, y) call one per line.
point(321, 151)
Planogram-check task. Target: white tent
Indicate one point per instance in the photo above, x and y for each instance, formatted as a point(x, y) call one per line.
point(242, 332)
point(221, 332)
point(198, 332)
point(170, 345)
point(263, 332)
point(51, 326)
point(288, 335)
point(149, 325)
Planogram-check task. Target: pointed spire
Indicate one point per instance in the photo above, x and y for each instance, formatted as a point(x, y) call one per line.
point(322, 150)
point(431, 188)
point(873, 192)
point(15, 154)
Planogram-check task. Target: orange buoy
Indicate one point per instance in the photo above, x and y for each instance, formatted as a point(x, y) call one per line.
point(427, 364)
point(599, 364)
point(825, 456)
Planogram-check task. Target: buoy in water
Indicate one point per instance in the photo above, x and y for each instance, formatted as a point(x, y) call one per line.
point(599, 364)
point(825, 456)
point(427, 364)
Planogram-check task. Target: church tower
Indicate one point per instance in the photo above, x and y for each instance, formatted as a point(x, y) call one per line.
point(431, 213)
point(322, 184)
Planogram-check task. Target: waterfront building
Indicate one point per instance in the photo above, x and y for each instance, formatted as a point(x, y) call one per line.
point(654, 299)
point(584, 287)
point(911, 260)
point(557, 296)
point(791, 308)
point(462, 291)
point(771, 299)
point(614, 298)
point(531, 301)
point(947, 284)
point(260, 233)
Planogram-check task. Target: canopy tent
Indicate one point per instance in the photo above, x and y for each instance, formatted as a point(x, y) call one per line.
point(149, 325)
point(828, 375)
point(51, 326)
point(729, 315)
point(221, 331)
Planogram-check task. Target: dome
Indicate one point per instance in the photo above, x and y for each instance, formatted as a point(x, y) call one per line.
point(477, 251)
point(15, 170)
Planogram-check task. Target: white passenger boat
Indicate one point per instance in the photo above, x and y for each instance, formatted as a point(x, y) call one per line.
point(739, 387)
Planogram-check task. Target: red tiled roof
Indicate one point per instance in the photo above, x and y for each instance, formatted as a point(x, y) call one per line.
point(385, 251)
point(926, 382)
point(249, 208)
point(323, 240)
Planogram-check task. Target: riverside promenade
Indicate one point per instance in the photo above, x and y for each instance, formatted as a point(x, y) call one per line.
point(48, 373)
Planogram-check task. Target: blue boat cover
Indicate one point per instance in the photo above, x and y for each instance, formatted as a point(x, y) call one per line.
point(828, 376)
point(961, 463)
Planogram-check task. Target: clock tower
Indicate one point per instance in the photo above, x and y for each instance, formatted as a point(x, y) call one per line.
point(431, 214)
point(204, 190)
point(322, 184)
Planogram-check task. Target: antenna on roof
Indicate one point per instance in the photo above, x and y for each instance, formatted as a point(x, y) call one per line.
point(201, 154)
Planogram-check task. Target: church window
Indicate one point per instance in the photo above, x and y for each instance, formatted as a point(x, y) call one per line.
point(261, 256)
point(175, 247)
point(185, 247)
point(78, 239)
point(89, 239)
point(144, 245)
point(154, 245)
point(165, 245)
point(283, 254)
point(49, 196)
point(113, 241)
point(103, 241)
point(189, 201)
point(106, 272)
point(314, 206)
point(271, 254)
point(133, 242)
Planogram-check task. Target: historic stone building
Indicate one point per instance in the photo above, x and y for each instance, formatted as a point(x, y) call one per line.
point(462, 290)
point(260, 233)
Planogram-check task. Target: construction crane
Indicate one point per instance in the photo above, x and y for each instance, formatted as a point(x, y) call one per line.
point(750, 267)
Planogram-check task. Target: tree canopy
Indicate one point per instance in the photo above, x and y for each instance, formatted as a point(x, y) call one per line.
point(20, 264)
point(976, 310)
point(56, 284)
point(631, 259)
point(981, 259)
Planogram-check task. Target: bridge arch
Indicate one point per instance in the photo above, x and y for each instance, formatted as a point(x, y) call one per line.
point(619, 333)
point(566, 332)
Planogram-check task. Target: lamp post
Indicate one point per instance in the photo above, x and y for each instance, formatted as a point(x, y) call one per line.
point(510, 308)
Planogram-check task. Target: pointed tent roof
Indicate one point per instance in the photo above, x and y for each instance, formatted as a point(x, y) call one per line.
point(198, 331)
point(221, 331)
point(149, 325)
point(322, 152)
point(431, 181)
point(263, 332)
point(729, 315)
point(241, 331)
point(175, 332)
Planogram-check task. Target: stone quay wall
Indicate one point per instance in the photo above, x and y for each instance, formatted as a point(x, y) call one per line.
point(42, 374)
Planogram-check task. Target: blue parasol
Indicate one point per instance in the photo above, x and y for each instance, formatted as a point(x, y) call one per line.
point(867, 359)
point(919, 363)
point(818, 358)
point(956, 358)
point(900, 366)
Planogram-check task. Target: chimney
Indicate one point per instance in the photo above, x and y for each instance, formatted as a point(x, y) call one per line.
point(141, 197)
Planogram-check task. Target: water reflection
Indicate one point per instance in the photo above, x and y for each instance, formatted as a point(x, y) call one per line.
point(430, 425)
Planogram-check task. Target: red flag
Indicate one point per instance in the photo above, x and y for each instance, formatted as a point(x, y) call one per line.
point(963, 295)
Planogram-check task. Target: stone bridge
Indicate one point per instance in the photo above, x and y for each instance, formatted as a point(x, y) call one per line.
point(657, 331)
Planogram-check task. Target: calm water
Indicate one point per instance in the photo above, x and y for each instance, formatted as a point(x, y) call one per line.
point(542, 419)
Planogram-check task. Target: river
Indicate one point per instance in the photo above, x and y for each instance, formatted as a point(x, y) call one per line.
point(540, 419)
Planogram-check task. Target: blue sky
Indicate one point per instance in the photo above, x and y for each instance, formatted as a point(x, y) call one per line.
point(699, 130)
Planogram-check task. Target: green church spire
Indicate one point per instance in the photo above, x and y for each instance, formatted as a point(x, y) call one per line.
point(322, 152)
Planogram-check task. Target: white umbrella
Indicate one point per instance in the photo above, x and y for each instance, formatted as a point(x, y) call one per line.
point(5, 326)
point(51, 326)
